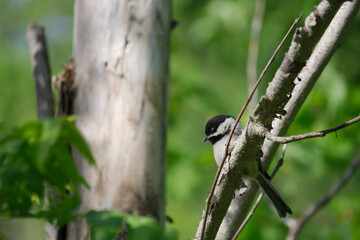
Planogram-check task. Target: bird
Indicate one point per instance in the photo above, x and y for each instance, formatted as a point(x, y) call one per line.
point(217, 132)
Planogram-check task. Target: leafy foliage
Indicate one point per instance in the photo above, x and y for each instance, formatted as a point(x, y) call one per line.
point(111, 225)
point(38, 176)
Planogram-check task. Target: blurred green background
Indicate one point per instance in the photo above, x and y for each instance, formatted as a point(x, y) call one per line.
point(208, 58)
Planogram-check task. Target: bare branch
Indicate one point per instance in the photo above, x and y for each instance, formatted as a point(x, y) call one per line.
point(294, 229)
point(236, 122)
point(279, 163)
point(322, 133)
point(41, 70)
point(258, 200)
point(283, 83)
point(252, 59)
point(44, 101)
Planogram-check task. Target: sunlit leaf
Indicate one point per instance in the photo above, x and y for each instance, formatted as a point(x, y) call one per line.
point(35, 157)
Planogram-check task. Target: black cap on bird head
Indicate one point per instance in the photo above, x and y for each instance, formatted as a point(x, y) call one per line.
point(212, 126)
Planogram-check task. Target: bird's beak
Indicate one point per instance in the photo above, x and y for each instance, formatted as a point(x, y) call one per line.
point(205, 139)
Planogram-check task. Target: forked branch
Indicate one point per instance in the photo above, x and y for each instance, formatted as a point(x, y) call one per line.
point(322, 133)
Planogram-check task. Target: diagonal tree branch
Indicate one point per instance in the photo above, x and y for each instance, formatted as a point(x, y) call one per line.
point(282, 89)
point(226, 153)
point(322, 133)
point(296, 226)
point(325, 11)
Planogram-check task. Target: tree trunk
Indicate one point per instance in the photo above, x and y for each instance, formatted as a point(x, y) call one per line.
point(121, 51)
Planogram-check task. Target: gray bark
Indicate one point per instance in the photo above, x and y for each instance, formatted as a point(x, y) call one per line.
point(44, 101)
point(41, 69)
point(282, 91)
point(121, 53)
point(324, 50)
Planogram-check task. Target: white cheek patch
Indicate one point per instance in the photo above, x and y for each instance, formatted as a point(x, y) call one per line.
point(223, 127)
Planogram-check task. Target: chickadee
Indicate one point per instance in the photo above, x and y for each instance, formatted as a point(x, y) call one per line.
point(217, 131)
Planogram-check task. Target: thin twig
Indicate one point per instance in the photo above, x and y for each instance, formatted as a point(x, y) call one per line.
point(257, 202)
point(252, 59)
point(294, 229)
point(280, 162)
point(322, 133)
point(237, 121)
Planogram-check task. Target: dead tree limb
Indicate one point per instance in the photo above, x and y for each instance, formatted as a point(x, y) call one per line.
point(41, 70)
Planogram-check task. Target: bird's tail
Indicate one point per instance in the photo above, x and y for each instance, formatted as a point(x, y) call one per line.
point(274, 196)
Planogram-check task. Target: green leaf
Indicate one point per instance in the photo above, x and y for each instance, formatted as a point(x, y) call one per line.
point(105, 224)
point(50, 134)
point(111, 224)
point(62, 209)
point(36, 155)
point(29, 131)
point(73, 136)
point(143, 227)
point(62, 162)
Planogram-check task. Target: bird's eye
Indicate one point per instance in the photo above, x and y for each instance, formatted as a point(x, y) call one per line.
point(212, 129)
